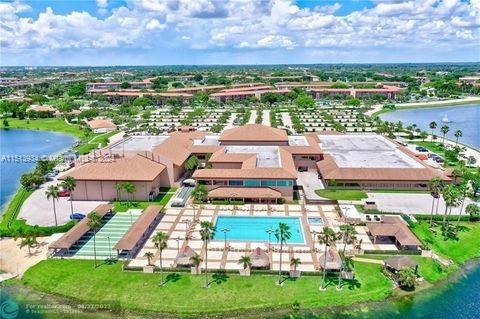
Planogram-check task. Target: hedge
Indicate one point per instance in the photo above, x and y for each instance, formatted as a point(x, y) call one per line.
point(392, 252)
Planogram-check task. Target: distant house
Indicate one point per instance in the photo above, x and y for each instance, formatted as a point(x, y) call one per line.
point(101, 126)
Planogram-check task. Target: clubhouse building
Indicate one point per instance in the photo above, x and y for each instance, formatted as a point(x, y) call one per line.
point(252, 162)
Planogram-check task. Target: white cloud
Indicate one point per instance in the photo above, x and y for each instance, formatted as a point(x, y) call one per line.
point(245, 24)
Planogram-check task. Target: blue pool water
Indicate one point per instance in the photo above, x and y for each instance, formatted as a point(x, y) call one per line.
point(253, 228)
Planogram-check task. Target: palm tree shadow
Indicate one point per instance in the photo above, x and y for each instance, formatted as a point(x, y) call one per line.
point(108, 261)
point(219, 277)
point(352, 284)
point(173, 277)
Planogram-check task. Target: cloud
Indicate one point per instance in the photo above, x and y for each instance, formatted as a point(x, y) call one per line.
point(244, 25)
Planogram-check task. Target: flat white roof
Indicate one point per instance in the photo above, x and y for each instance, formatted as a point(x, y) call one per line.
point(365, 151)
point(267, 156)
point(207, 140)
point(138, 143)
point(297, 140)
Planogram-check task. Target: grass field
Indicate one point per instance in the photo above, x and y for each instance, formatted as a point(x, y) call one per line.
point(184, 294)
point(465, 247)
point(341, 194)
point(47, 124)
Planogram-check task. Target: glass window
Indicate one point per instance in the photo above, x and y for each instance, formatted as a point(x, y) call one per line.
point(269, 183)
point(284, 183)
point(235, 183)
point(252, 182)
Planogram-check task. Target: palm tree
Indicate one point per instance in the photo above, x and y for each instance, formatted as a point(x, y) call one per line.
point(196, 261)
point(295, 262)
point(94, 222)
point(450, 196)
point(52, 192)
point(433, 126)
point(445, 129)
point(458, 134)
point(149, 255)
point(30, 241)
point(69, 184)
point(160, 240)
point(200, 193)
point(206, 233)
point(282, 233)
point(348, 234)
point(130, 189)
point(462, 191)
point(119, 189)
point(327, 237)
point(245, 261)
point(435, 185)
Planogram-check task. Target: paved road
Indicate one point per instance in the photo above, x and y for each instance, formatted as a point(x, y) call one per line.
point(409, 203)
point(37, 210)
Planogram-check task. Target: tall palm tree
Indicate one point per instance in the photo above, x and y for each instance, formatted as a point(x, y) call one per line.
point(245, 261)
point(295, 262)
point(450, 196)
point(94, 222)
point(458, 134)
point(462, 192)
point(444, 129)
point(435, 185)
point(327, 236)
point(348, 234)
point(196, 261)
point(30, 241)
point(160, 240)
point(69, 184)
point(433, 126)
point(52, 192)
point(206, 233)
point(282, 233)
point(119, 189)
point(149, 255)
point(130, 188)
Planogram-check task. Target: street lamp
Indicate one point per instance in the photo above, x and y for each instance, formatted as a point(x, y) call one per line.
point(314, 236)
point(178, 244)
point(225, 231)
point(186, 221)
point(270, 232)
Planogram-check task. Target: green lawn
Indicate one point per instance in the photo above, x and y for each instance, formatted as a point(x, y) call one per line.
point(465, 247)
point(47, 124)
point(341, 194)
point(161, 199)
point(184, 294)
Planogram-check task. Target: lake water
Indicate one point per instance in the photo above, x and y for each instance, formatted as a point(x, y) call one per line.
point(457, 297)
point(19, 150)
point(462, 117)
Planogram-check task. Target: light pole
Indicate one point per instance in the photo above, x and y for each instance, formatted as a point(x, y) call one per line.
point(178, 244)
point(225, 231)
point(270, 232)
point(314, 236)
point(109, 247)
point(186, 221)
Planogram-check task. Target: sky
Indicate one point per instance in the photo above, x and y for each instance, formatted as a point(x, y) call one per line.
point(172, 32)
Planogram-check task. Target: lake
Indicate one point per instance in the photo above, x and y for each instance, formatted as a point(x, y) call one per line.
point(462, 117)
point(457, 297)
point(19, 150)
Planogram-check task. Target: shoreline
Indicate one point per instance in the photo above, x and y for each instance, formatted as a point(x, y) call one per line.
point(354, 308)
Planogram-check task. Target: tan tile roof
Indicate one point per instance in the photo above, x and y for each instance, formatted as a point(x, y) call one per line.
point(255, 173)
point(138, 229)
point(244, 192)
point(80, 229)
point(330, 170)
point(136, 168)
point(394, 226)
point(99, 123)
point(254, 133)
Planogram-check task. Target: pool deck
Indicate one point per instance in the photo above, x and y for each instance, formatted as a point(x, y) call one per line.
point(173, 223)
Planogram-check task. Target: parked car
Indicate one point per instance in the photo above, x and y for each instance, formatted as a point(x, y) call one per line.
point(77, 216)
point(63, 193)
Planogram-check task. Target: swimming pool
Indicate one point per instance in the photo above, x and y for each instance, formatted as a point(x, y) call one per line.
point(254, 228)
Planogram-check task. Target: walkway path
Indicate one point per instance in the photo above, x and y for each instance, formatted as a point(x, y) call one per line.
point(266, 117)
point(253, 116)
point(287, 121)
